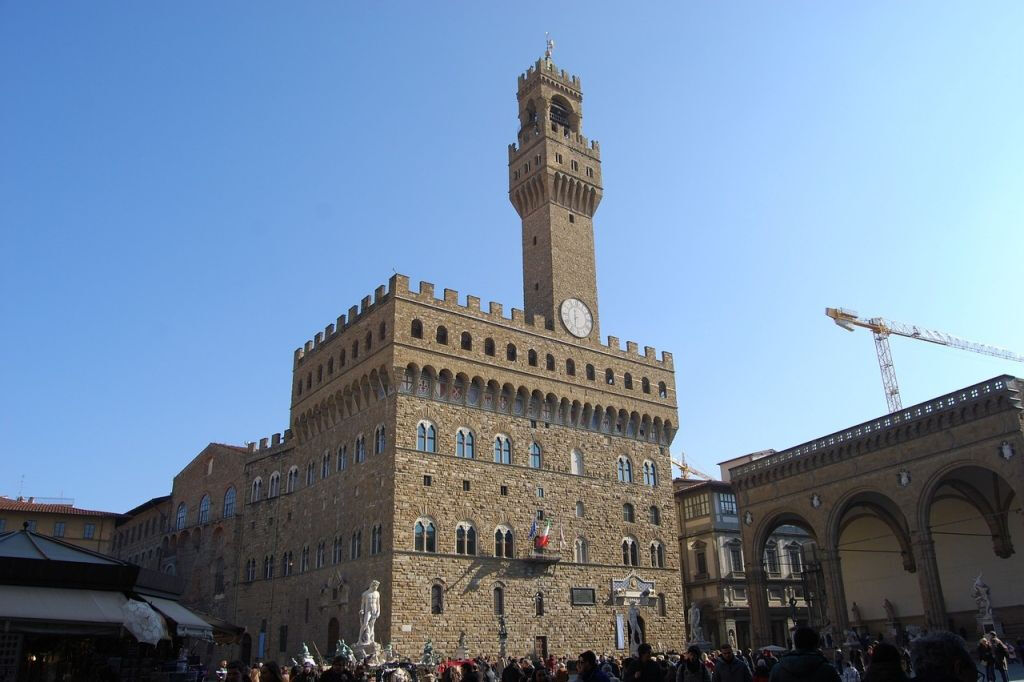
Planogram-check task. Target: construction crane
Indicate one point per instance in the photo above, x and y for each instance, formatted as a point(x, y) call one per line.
point(882, 328)
point(686, 469)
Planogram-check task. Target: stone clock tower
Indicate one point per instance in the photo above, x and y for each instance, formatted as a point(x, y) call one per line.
point(555, 186)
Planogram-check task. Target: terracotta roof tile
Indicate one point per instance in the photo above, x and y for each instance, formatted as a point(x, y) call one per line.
point(7, 504)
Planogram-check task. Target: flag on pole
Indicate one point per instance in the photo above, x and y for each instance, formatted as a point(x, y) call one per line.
point(544, 537)
point(561, 535)
point(533, 530)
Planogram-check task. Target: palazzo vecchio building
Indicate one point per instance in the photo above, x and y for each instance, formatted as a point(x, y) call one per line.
point(429, 435)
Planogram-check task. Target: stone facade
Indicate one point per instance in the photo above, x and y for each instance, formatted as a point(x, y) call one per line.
point(335, 502)
point(713, 566)
point(905, 510)
point(140, 533)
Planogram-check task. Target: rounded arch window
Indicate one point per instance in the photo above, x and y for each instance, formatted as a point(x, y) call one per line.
point(561, 113)
point(580, 510)
point(442, 335)
point(436, 599)
point(426, 437)
point(204, 509)
point(179, 519)
point(424, 536)
point(465, 444)
point(576, 463)
point(657, 555)
point(503, 542)
point(465, 538)
point(502, 450)
point(416, 331)
point(257, 489)
point(489, 347)
point(466, 342)
point(499, 600)
point(535, 456)
point(229, 503)
point(580, 554)
point(625, 470)
point(630, 552)
point(650, 473)
point(628, 513)
point(655, 515)
point(510, 352)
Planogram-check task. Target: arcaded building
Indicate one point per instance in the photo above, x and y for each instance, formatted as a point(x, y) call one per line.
point(429, 435)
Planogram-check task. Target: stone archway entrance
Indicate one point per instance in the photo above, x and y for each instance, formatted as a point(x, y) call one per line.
point(332, 636)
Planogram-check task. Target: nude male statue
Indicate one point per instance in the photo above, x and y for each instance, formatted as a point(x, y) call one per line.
point(369, 611)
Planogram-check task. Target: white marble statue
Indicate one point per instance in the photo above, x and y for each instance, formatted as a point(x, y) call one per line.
point(696, 632)
point(369, 611)
point(982, 596)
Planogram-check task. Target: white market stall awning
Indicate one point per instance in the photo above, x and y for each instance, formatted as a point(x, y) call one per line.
point(189, 624)
point(63, 610)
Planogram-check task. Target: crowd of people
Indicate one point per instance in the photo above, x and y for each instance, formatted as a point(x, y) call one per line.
point(938, 657)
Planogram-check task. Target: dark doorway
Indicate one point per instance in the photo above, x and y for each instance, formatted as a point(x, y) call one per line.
point(332, 636)
point(246, 654)
point(540, 647)
point(743, 634)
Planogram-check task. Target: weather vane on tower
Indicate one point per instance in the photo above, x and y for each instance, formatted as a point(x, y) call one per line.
point(549, 45)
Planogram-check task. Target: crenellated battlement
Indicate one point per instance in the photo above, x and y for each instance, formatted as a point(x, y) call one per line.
point(338, 327)
point(575, 141)
point(399, 287)
point(264, 445)
point(545, 68)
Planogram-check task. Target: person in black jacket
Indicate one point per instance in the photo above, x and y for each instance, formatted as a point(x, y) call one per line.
point(805, 663)
point(643, 668)
point(942, 657)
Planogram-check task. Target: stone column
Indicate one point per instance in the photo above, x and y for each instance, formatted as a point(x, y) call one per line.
point(757, 595)
point(929, 582)
point(835, 593)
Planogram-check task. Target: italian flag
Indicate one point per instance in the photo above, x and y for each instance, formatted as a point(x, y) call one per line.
point(544, 537)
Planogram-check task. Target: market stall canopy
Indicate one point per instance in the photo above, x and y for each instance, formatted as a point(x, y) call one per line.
point(188, 624)
point(57, 610)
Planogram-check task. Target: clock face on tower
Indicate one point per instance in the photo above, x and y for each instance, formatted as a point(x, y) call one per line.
point(576, 317)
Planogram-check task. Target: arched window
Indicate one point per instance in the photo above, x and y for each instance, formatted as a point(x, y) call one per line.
point(654, 515)
point(325, 465)
point(416, 331)
point(442, 335)
point(382, 331)
point(535, 456)
point(424, 536)
point(368, 341)
point(341, 358)
point(360, 448)
point(657, 555)
point(376, 539)
point(503, 546)
point(580, 511)
point(650, 473)
point(275, 485)
point(645, 385)
point(465, 539)
point(426, 437)
point(229, 503)
point(342, 458)
point(464, 444)
point(489, 347)
point(499, 601)
point(320, 552)
point(510, 352)
point(576, 464)
point(609, 377)
point(268, 566)
point(257, 489)
point(662, 390)
point(330, 365)
point(467, 341)
point(379, 439)
point(628, 513)
point(502, 450)
point(531, 357)
point(625, 470)
point(579, 551)
point(570, 368)
point(734, 548)
point(286, 564)
point(204, 509)
point(355, 548)
point(630, 553)
point(538, 603)
point(590, 372)
point(304, 561)
point(436, 599)
point(336, 551)
point(310, 474)
point(293, 479)
point(796, 558)
point(627, 380)
point(549, 362)
point(355, 349)
point(179, 519)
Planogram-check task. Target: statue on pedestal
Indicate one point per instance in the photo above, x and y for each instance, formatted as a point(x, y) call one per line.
point(696, 632)
point(982, 596)
point(369, 611)
point(428, 653)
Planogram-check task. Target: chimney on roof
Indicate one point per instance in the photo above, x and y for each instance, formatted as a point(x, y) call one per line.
point(31, 500)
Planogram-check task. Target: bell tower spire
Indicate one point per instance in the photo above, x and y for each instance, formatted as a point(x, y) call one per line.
point(554, 176)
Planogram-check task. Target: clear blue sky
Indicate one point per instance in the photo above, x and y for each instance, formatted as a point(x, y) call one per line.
point(190, 190)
